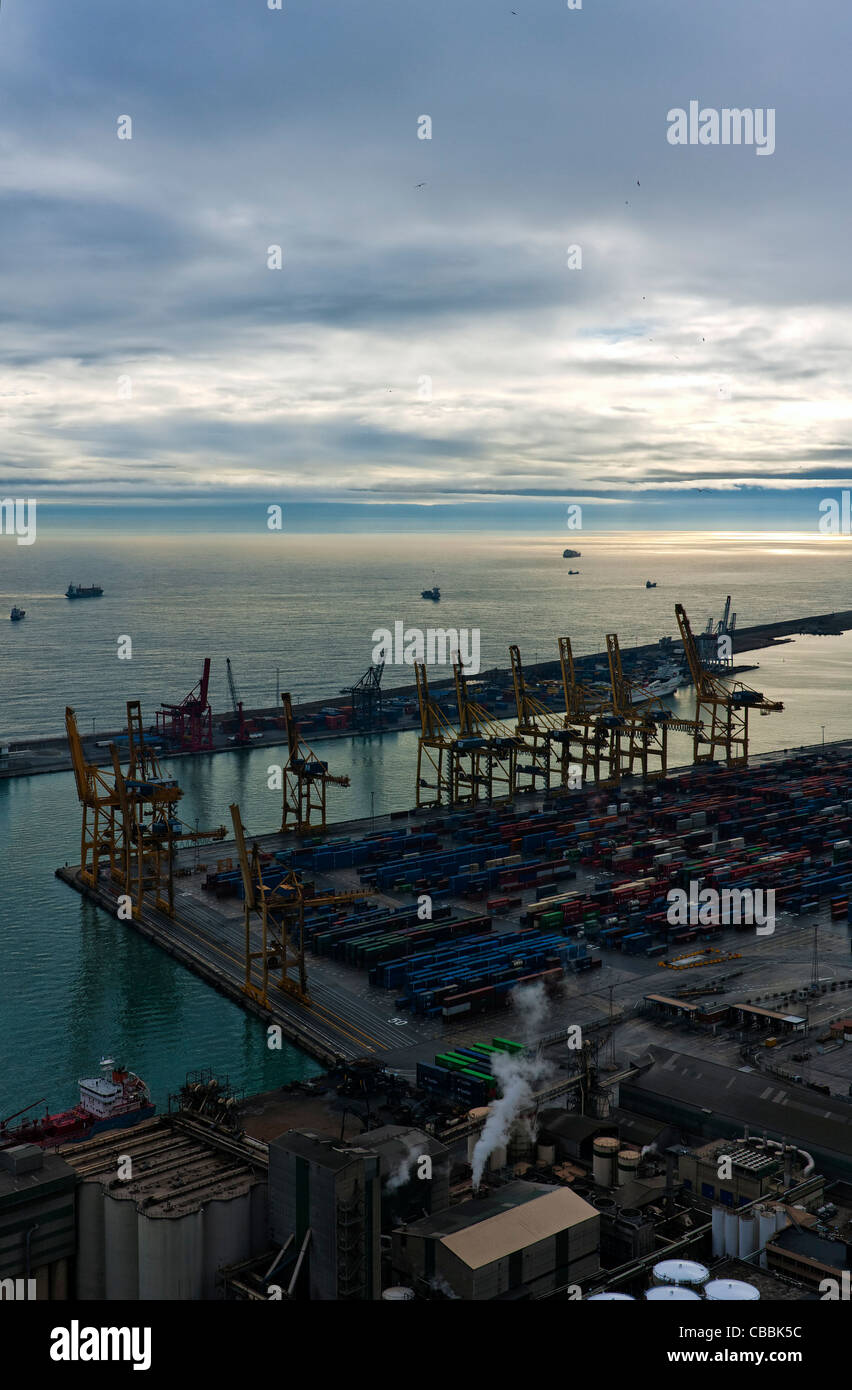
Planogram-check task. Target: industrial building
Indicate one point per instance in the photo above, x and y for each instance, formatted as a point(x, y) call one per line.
point(187, 1205)
point(524, 1237)
point(758, 1171)
point(714, 1101)
point(37, 1220)
point(327, 1197)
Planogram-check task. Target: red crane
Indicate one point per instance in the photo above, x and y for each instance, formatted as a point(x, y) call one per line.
point(189, 725)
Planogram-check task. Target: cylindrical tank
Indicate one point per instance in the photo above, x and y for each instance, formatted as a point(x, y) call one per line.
point(121, 1261)
point(91, 1274)
point(782, 1220)
point(227, 1228)
point(547, 1155)
point(603, 1161)
point(732, 1235)
point(688, 1272)
point(718, 1232)
point(748, 1235)
point(667, 1293)
point(398, 1294)
point(722, 1290)
point(171, 1252)
point(610, 1297)
point(499, 1158)
point(628, 1166)
point(765, 1230)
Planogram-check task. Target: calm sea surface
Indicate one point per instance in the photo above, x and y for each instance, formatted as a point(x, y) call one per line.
point(301, 611)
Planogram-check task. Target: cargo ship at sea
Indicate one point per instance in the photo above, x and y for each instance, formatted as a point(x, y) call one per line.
point(114, 1100)
point(80, 591)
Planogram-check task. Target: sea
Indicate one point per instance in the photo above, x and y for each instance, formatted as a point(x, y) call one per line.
point(301, 613)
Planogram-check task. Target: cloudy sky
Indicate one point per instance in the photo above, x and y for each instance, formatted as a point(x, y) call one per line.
point(425, 346)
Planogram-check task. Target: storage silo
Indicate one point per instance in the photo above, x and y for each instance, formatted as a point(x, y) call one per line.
point(546, 1155)
point(718, 1220)
point(671, 1293)
point(732, 1235)
point(688, 1273)
point(91, 1269)
point(227, 1236)
point(627, 1166)
point(120, 1246)
point(610, 1298)
point(748, 1235)
point(765, 1230)
point(498, 1159)
point(730, 1290)
point(604, 1153)
point(171, 1256)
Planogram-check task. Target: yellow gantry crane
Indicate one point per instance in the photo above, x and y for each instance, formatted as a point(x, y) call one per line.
point(546, 736)
point(725, 706)
point(152, 829)
point(598, 725)
point(486, 751)
point(280, 912)
point(306, 780)
point(646, 720)
point(102, 834)
point(436, 748)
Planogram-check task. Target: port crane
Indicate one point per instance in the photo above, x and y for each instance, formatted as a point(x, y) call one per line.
point(148, 798)
point(725, 706)
point(485, 765)
point(546, 735)
point(102, 833)
point(436, 748)
point(366, 697)
point(646, 720)
point(242, 731)
point(306, 780)
point(600, 726)
point(189, 725)
point(279, 908)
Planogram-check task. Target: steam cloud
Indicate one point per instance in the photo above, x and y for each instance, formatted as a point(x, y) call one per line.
point(403, 1173)
point(518, 1076)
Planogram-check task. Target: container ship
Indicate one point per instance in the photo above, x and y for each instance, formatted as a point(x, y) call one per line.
point(79, 591)
point(114, 1100)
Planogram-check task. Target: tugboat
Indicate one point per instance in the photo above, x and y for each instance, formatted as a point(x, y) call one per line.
point(114, 1100)
point(434, 594)
point(78, 591)
point(573, 571)
point(570, 555)
point(17, 614)
point(649, 585)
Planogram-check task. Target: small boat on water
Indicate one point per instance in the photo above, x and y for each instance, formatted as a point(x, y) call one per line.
point(649, 585)
point(79, 591)
point(115, 1099)
point(17, 614)
point(573, 571)
point(434, 594)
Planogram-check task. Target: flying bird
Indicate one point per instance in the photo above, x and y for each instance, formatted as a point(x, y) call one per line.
point(420, 185)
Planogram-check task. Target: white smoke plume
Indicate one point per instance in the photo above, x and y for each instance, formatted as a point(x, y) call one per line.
point(518, 1076)
point(402, 1175)
point(530, 1002)
point(440, 1285)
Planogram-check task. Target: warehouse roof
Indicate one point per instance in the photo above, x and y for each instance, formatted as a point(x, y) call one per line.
point(489, 1228)
point(742, 1098)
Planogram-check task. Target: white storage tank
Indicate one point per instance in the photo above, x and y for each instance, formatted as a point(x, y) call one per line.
point(718, 1220)
point(397, 1293)
point(671, 1293)
point(748, 1235)
point(628, 1166)
point(547, 1155)
point(171, 1256)
point(732, 1235)
point(733, 1290)
point(604, 1153)
point(611, 1298)
point(499, 1158)
point(686, 1272)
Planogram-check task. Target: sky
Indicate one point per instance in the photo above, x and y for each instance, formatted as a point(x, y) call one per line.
point(430, 352)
